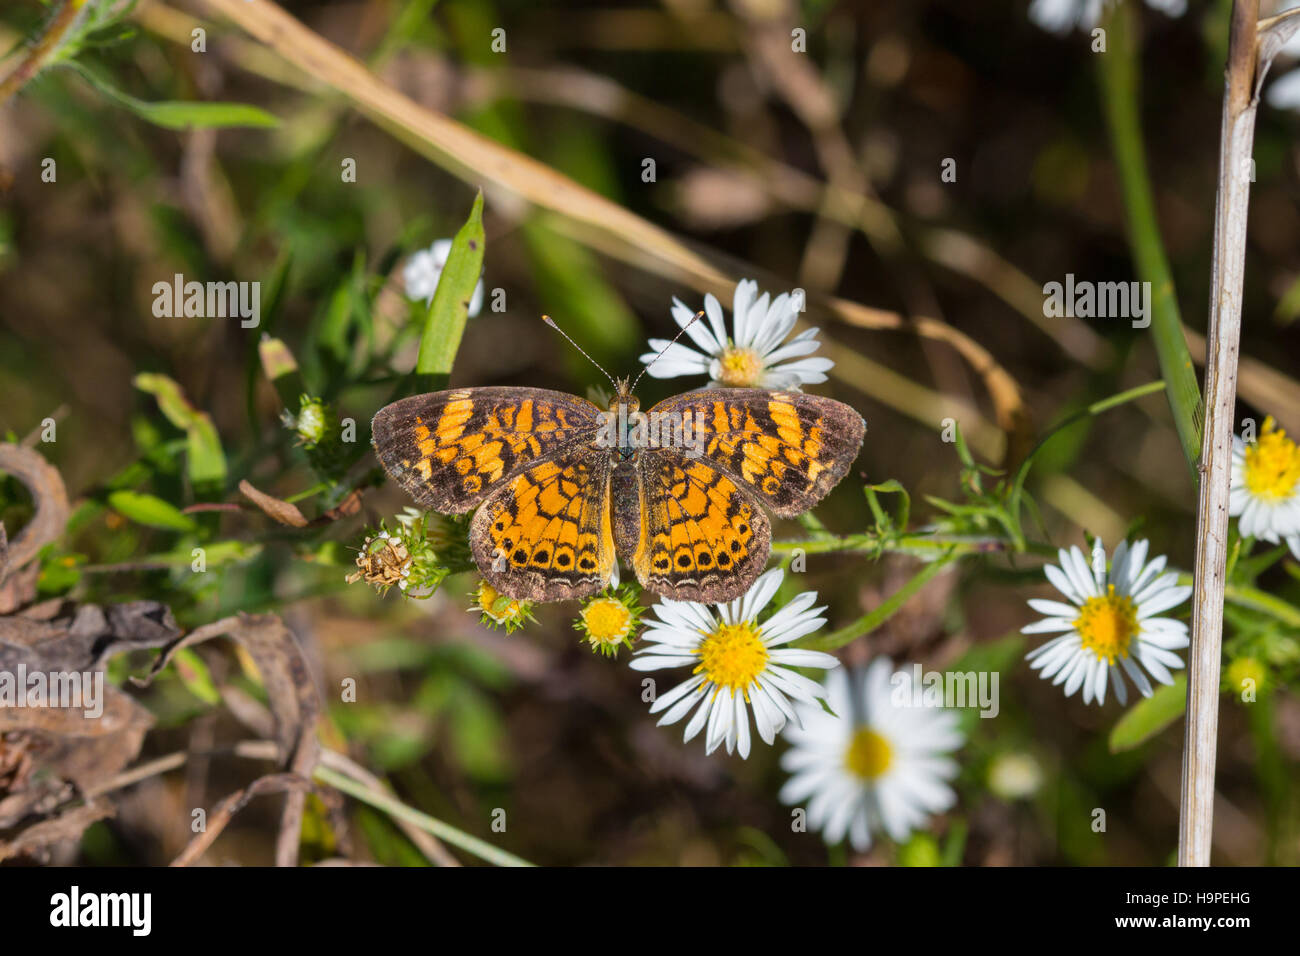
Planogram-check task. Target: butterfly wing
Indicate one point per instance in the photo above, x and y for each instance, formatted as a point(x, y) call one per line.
point(788, 448)
point(546, 534)
point(698, 535)
point(450, 450)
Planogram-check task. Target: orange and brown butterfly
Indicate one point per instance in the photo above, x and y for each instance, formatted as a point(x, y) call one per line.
point(564, 488)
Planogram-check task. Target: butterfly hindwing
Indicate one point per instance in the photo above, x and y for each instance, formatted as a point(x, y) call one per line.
point(701, 536)
point(449, 450)
point(546, 534)
point(788, 448)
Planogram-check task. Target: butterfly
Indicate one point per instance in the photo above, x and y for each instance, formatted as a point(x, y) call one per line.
point(564, 488)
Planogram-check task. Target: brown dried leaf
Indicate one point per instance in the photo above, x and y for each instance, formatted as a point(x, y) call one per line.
point(61, 746)
point(275, 508)
point(67, 826)
point(50, 497)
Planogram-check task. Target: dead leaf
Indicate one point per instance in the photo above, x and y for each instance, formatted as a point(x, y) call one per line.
point(50, 496)
point(275, 508)
point(68, 826)
point(50, 752)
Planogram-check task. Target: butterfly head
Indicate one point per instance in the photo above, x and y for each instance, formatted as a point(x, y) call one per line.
point(623, 397)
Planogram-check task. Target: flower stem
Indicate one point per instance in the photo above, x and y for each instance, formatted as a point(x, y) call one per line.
point(1118, 73)
point(59, 27)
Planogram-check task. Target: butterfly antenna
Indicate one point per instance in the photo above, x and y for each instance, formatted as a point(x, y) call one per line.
point(695, 318)
point(551, 322)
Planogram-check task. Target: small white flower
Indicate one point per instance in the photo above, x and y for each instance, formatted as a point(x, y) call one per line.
point(738, 662)
point(752, 356)
point(1111, 622)
point(423, 269)
point(1061, 16)
point(876, 765)
point(1015, 775)
point(1265, 490)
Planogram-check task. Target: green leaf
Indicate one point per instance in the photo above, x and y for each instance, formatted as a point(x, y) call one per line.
point(892, 486)
point(282, 369)
point(206, 462)
point(1150, 715)
point(176, 114)
point(449, 310)
point(196, 677)
point(149, 510)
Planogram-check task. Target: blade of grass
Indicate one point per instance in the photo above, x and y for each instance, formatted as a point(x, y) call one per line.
point(177, 114)
point(449, 310)
point(1118, 72)
point(400, 811)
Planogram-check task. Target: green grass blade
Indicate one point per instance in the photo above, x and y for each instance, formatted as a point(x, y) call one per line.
point(178, 114)
point(449, 310)
point(1118, 72)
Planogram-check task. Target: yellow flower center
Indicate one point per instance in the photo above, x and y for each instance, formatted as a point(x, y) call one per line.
point(732, 656)
point(492, 603)
point(740, 367)
point(1272, 464)
point(869, 754)
point(607, 620)
point(1107, 625)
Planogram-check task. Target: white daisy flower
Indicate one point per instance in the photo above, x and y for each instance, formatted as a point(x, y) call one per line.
point(1111, 622)
point(738, 662)
point(422, 271)
point(875, 765)
point(1265, 490)
point(1061, 16)
point(751, 358)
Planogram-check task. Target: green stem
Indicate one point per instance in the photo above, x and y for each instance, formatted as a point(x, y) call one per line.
point(401, 811)
point(1118, 73)
point(916, 545)
point(883, 612)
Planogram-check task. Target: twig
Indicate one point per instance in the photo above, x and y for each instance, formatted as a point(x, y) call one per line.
point(425, 841)
point(1200, 736)
point(59, 27)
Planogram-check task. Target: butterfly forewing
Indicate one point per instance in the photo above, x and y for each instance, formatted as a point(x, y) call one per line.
point(788, 448)
point(450, 450)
